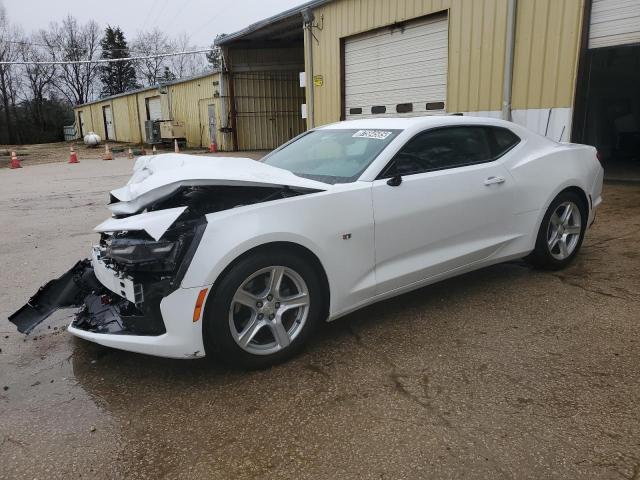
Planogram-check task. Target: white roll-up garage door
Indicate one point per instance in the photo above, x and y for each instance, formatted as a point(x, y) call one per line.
point(154, 108)
point(614, 22)
point(397, 70)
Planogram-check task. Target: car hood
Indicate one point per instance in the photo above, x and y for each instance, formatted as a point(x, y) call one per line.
point(158, 176)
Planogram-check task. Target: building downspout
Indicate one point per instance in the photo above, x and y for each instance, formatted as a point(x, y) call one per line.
point(228, 93)
point(308, 54)
point(509, 55)
point(224, 112)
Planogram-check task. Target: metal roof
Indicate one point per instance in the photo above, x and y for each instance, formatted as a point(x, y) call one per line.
point(146, 89)
point(277, 26)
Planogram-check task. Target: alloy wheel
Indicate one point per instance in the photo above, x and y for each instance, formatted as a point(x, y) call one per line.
point(564, 230)
point(269, 310)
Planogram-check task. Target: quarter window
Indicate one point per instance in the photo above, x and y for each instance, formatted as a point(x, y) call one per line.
point(504, 140)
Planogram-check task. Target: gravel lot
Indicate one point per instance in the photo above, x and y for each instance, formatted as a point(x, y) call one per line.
point(507, 372)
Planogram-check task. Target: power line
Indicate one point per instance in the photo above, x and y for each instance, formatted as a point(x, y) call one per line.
point(106, 60)
point(181, 9)
point(59, 47)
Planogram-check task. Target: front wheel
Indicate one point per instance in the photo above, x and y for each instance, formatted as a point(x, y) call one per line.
point(561, 232)
point(264, 310)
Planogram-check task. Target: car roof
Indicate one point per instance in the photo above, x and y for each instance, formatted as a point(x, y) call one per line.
point(404, 123)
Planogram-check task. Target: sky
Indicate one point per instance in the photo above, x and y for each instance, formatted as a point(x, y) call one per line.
point(200, 19)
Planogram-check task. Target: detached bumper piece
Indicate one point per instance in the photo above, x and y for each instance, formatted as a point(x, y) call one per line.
point(67, 291)
point(102, 311)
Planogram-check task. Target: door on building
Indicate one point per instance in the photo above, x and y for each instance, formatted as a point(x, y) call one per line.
point(267, 107)
point(397, 70)
point(608, 96)
point(211, 112)
point(81, 123)
point(108, 123)
point(154, 108)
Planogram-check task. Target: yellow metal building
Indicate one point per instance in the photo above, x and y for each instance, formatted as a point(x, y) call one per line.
point(194, 101)
point(567, 69)
point(442, 56)
point(547, 38)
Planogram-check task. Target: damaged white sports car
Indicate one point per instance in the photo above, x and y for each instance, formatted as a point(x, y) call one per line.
point(243, 259)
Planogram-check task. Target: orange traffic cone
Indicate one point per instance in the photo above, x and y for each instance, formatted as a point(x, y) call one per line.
point(213, 148)
point(73, 156)
point(130, 154)
point(175, 146)
point(107, 153)
point(154, 150)
point(15, 163)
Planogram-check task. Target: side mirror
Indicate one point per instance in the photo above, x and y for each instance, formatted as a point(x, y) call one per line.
point(394, 181)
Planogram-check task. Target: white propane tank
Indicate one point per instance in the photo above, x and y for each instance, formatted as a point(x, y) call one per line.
point(92, 139)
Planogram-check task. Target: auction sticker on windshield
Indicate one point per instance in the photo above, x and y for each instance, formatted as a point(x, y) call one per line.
point(376, 134)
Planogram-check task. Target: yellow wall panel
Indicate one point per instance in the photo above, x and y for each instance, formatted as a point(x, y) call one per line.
point(547, 39)
point(547, 47)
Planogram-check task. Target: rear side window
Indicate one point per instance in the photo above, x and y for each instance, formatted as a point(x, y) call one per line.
point(503, 140)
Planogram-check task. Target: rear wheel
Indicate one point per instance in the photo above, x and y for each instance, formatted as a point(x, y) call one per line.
point(561, 232)
point(264, 310)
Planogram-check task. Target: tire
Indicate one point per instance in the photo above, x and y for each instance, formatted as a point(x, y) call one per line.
point(559, 239)
point(248, 325)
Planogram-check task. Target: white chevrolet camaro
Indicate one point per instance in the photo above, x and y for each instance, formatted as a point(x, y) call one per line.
point(243, 259)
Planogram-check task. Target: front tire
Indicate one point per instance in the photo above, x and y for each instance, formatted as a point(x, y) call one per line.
point(561, 232)
point(264, 310)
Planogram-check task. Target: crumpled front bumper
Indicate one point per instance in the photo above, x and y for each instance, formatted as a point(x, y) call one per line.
point(109, 316)
point(183, 337)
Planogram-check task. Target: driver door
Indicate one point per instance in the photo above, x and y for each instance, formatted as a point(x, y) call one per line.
point(444, 202)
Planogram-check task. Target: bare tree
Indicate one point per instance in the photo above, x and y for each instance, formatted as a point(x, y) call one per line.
point(150, 70)
point(8, 74)
point(185, 65)
point(39, 79)
point(71, 41)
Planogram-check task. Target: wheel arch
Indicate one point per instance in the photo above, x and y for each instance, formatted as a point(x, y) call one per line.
point(567, 188)
point(574, 189)
point(290, 247)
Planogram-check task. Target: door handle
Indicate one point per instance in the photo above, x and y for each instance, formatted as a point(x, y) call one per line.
point(493, 181)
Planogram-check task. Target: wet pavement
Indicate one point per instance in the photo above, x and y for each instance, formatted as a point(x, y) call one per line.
point(507, 372)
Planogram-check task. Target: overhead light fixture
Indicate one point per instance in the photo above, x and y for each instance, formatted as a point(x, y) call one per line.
point(307, 16)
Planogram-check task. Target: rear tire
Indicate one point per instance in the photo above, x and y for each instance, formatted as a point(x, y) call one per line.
point(263, 310)
point(561, 232)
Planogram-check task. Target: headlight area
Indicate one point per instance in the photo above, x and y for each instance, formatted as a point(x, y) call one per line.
point(143, 271)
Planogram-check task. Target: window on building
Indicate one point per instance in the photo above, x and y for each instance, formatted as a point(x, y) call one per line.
point(404, 108)
point(378, 109)
point(435, 106)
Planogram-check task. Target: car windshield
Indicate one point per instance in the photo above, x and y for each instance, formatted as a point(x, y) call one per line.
point(332, 155)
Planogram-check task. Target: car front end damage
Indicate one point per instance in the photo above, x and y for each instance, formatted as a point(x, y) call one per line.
point(130, 293)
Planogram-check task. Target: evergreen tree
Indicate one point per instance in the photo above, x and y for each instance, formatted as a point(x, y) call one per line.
point(167, 76)
point(116, 77)
point(214, 57)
